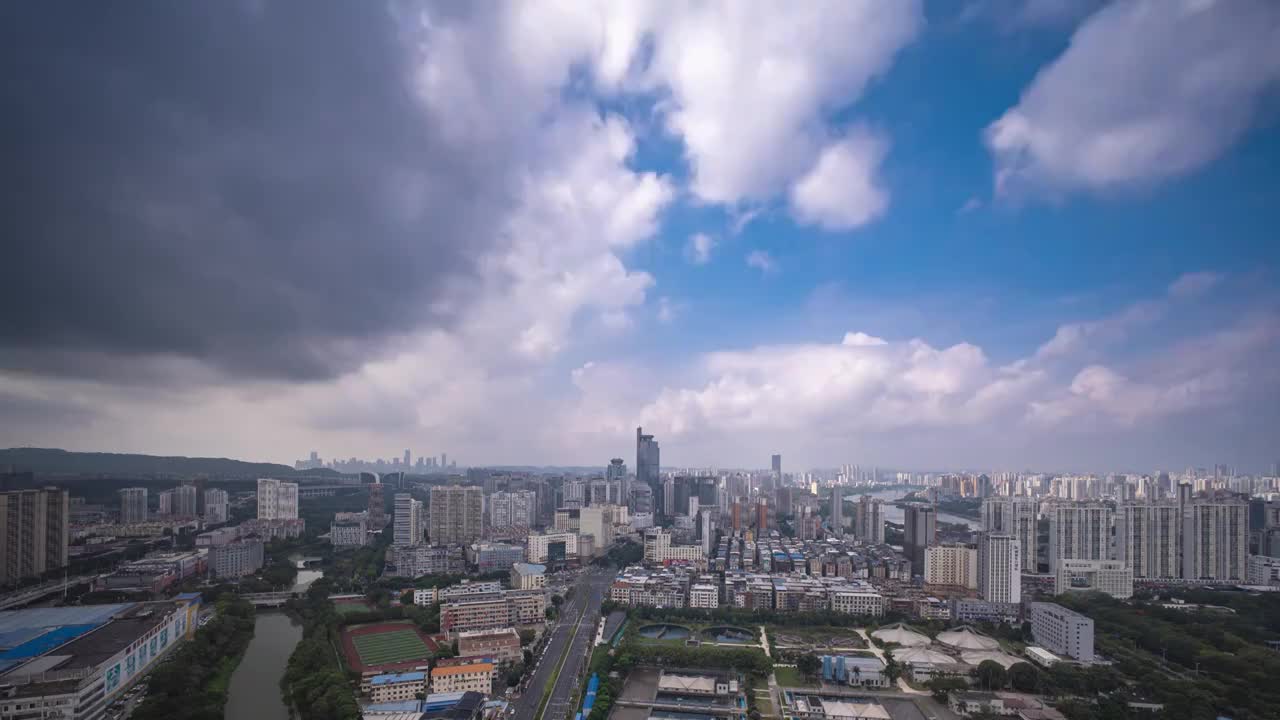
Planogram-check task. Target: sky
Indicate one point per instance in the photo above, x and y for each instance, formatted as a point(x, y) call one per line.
point(991, 234)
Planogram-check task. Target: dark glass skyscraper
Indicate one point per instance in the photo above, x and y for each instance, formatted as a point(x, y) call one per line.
point(647, 463)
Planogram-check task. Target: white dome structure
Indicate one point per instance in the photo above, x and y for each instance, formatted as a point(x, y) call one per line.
point(976, 657)
point(914, 655)
point(966, 638)
point(900, 635)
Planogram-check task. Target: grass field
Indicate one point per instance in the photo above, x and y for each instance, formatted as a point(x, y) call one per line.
point(390, 647)
point(790, 677)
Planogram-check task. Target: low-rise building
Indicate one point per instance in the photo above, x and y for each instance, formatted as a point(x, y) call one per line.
point(556, 548)
point(412, 561)
point(1062, 631)
point(951, 565)
point(497, 556)
point(221, 536)
point(528, 607)
point(280, 529)
point(476, 614)
point(854, 670)
point(394, 687)
point(1263, 570)
point(704, 595)
point(463, 675)
point(349, 529)
point(528, 576)
point(502, 644)
point(1112, 577)
point(237, 559)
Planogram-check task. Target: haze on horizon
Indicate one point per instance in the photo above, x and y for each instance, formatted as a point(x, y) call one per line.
point(911, 234)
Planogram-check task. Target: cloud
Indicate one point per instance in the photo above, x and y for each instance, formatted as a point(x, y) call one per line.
point(1194, 284)
point(762, 261)
point(970, 205)
point(1017, 15)
point(667, 310)
point(271, 224)
point(760, 75)
point(841, 191)
point(698, 248)
point(1147, 91)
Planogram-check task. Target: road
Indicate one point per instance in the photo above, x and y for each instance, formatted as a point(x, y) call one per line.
point(588, 593)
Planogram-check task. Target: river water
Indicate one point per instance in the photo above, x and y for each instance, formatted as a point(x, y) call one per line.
point(255, 685)
point(894, 514)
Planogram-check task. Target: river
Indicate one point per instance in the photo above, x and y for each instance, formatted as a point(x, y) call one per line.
point(255, 685)
point(894, 514)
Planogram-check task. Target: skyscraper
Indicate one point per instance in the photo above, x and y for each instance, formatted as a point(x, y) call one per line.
point(647, 469)
point(1080, 531)
point(34, 532)
point(456, 515)
point(868, 520)
point(377, 512)
point(777, 470)
point(277, 500)
point(133, 505)
point(1014, 516)
point(407, 458)
point(184, 501)
point(999, 567)
point(1216, 540)
point(1147, 537)
point(617, 472)
point(215, 506)
point(837, 510)
point(516, 508)
point(920, 530)
point(408, 516)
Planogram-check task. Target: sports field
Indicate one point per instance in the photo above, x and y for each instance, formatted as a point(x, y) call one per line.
point(385, 646)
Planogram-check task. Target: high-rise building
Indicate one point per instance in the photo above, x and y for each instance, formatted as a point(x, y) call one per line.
point(1147, 537)
point(920, 530)
point(647, 469)
point(408, 518)
point(277, 500)
point(133, 505)
point(868, 520)
point(1216, 540)
point(999, 568)
point(166, 503)
point(34, 532)
point(617, 472)
point(516, 508)
point(407, 458)
point(1080, 531)
point(952, 565)
point(837, 511)
point(456, 515)
point(215, 506)
point(377, 511)
point(184, 501)
point(777, 469)
point(1014, 516)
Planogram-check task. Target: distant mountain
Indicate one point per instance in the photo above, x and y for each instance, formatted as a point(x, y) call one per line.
point(51, 461)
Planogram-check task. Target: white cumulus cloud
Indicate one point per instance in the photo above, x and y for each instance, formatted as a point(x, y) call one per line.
point(1147, 90)
point(841, 191)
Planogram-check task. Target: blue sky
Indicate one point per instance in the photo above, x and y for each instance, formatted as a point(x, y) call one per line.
point(995, 234)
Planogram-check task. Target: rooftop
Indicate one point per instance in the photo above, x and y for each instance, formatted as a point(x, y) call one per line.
point(443, 671)
point(391, 678)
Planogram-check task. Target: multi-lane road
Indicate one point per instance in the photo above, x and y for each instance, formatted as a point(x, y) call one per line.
point(578, 619)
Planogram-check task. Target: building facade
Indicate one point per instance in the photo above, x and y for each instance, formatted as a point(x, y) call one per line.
point(920, 524)
point(1147, 537)
point(1112, 577)
point(999, 568)
point(1079, 531)
point(647, 471)
point(1215, 543)
point(1062, 631)
point(35, 530)
point(348, 530)
point(408, 515)
point(456, 514)
point(236, 559)
point(215, 507)
point(277, 500)
point(133, 505)
point(1014, 516)
point(951, 564)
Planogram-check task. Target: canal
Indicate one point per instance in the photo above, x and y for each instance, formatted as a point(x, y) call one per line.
point(255, 685)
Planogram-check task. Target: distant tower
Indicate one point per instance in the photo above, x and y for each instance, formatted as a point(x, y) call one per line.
point(777, 470)
point(647, 464)
point(837, 509)
point(377, 512)
point(407, 457)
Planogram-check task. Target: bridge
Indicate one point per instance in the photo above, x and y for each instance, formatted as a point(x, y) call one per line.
point(269, 599)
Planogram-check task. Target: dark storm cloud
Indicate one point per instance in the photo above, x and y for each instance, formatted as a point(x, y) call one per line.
point(252, 185)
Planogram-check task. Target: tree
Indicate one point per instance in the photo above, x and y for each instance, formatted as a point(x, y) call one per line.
point(892, 670)
point(991, 675)
point(407, 598)
point(809, 665)
point(941, 687)
point(556, 600)
point(1023, 677)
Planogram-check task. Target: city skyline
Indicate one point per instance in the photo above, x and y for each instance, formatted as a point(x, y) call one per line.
point(924, 234)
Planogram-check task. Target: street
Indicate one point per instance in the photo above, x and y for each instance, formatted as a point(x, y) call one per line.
point(588, 593)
